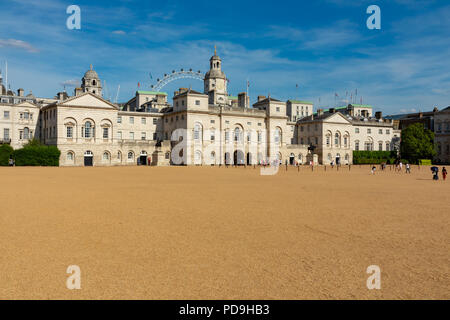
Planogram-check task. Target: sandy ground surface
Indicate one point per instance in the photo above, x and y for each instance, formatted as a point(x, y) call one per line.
point(217, 233)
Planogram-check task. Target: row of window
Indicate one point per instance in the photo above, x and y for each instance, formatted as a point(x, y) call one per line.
point(337, 140)
point(197, 103)
point(106, 156)
point(369, 131)
point(338, 156)
point(238, 134)
point(440, 151)
point(316, 127)
point(24, 134)
point(26, 115)
point(440, 126)
point(22, 115)
point(50, 114)
point(368, 146)
point(131, 120)
point(131, 135)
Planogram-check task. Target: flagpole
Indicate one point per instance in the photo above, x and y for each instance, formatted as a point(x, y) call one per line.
point(248, 97)
point(6, 75)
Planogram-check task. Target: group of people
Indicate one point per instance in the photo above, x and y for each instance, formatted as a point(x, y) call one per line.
point(435, 172)
point(398, 167)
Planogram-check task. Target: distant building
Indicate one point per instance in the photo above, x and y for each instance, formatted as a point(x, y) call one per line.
point(336, 133)
point(402, 121)
point(442, 135)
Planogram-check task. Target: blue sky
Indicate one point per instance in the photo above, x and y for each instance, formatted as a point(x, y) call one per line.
point(322, 45)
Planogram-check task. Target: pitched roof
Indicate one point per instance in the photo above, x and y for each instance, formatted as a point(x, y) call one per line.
point(269, 99)
point(322, 117)
point(64, 102)
point(190, 91)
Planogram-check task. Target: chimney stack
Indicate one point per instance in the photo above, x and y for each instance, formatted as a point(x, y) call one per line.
point(319, 112)
point(378, 115)
point(78, 91)
point(260, 98)
point(20, 92)
point(332, 110)
point(243, 101)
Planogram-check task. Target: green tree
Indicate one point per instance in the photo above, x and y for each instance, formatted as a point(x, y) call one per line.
point(417, 143)
point(33, 143)
point(5, 153)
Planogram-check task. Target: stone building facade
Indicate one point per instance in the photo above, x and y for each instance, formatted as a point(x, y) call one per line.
point(199, 128)
point(335, 134)
point(18, 123)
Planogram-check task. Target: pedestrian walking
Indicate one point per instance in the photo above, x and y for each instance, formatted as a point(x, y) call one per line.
point(408, 168)
point(373, 169)
point(444, 173)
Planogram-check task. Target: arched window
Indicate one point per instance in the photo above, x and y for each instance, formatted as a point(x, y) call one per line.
point(88, 129)
point(347, 157)
point(346, 140)
point(119, 155)
point(26, 133)
point(130, 156)
point(277, 135)
point(198, 132)
point(328, 140)
point(380, 146)
point(237, 134)
point(94, 83)
point(337, 139)
point(388, 146)
point(70, 156)
point(368, 145)
point(167, 156)
point(106, 156)
point(357, 145)
point(197, 157)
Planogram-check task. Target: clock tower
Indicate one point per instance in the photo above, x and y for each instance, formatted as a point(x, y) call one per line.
point(216, 81)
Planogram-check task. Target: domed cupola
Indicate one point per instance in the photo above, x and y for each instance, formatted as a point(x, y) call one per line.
point(91, 82)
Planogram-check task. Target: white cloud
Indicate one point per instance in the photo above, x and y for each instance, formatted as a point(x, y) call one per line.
point(19, 44)
point(120, 32)
point(339, 34)
point(70, 83)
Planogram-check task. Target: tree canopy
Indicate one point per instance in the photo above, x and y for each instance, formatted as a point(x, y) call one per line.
point(417, 143)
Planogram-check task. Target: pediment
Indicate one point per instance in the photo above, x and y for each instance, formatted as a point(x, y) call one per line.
point(27, 104)
point(337, 118)
point(89, 100)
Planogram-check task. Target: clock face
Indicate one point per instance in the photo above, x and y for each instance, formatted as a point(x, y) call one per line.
point(220, 85)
